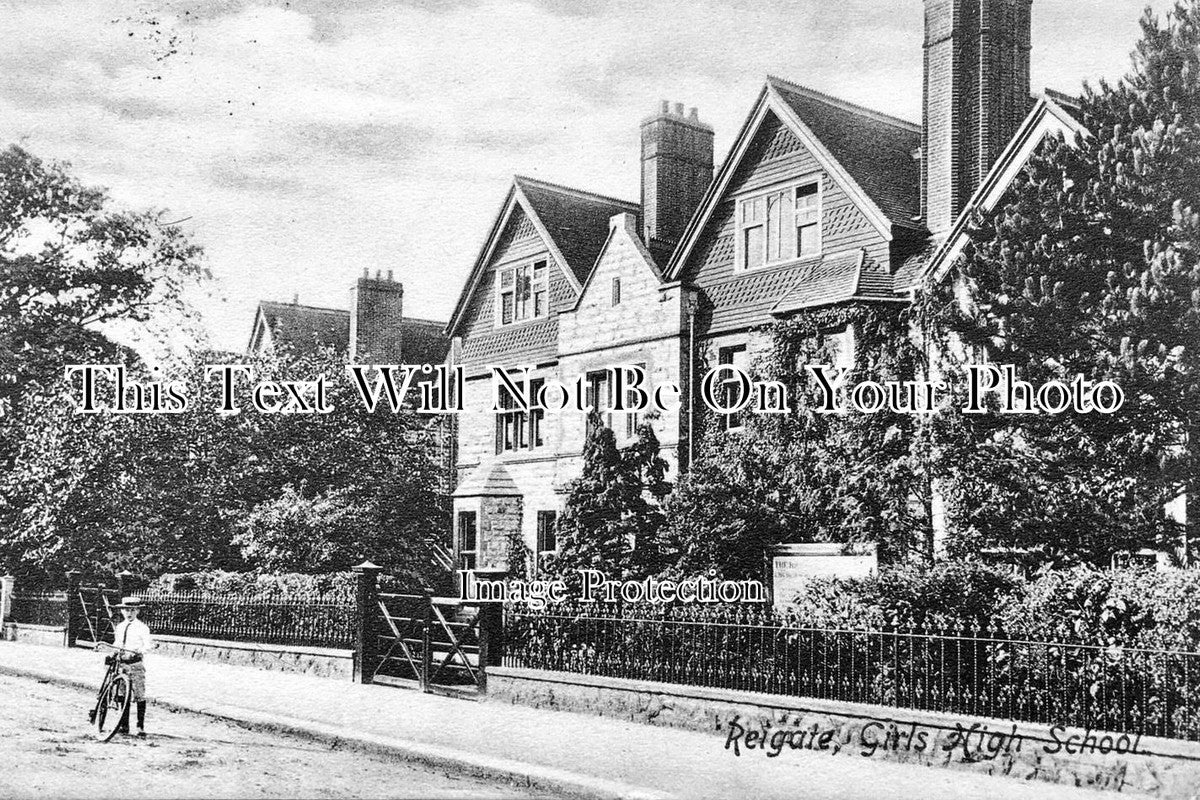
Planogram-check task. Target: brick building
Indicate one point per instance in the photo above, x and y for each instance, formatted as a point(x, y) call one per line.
point(820, 202)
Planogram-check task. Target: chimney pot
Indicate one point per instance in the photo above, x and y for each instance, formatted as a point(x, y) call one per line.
point(296, 298)
point(366, 272)
point(389, 275)
point(679, 109)
point(695, 113)
point(677, 168)
point(666, 107)
point(377, 274)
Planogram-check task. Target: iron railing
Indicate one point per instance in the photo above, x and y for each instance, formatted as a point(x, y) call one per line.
point(317, 620)
point(952, 668)
point(39, 608)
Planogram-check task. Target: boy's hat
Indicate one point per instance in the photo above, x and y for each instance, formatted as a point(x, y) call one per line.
point(130, 602)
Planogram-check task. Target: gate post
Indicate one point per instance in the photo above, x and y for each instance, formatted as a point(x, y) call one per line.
point(6, 592)
point(74, 607)
point(427, 639)
point(124, 584)
point(366, 598)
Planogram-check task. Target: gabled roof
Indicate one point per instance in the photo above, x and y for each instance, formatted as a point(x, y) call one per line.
point(877, 149)
point(423, 341)
point(627, 223)
point(837, 278)
point(869, 154)
point(304, 328)
point(489, 479)
point(573, 222)
point(1052, 114)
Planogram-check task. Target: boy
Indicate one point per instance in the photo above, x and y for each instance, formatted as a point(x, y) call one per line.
point(133, 634)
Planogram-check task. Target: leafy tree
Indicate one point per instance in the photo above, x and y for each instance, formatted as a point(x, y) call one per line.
point(612, 515)
point(1091, 266)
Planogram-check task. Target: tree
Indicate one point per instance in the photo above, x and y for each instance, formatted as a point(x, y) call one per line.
point(73, 267)
point(612, 516)
point(1091, 266)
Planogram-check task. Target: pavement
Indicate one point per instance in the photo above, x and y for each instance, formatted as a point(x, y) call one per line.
point(550, 751)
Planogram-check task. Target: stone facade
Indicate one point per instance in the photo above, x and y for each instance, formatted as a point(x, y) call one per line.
point(316, 661)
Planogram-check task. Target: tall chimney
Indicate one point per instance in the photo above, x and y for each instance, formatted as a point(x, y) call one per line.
point(976, 94)
point(677, 166)
point(376, 313)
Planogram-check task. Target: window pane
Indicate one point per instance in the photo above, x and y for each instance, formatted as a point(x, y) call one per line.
point(806, 240)
point(506, 278)
point(616, 291)
point(506, 308)
point(466, 531)
point(752, 247)
point(539, 304)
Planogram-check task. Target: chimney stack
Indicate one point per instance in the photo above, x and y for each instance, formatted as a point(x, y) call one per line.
point(976, 94)
point(677, 167)
point(376, 314)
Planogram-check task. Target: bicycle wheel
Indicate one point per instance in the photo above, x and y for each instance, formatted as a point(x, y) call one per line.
point(111, 707)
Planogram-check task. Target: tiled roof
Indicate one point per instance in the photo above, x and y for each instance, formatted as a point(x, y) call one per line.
point(911, 269)
point(836, 279)
point(305, 328)
point(423, 341)
point(489, 479)
point(577, 221)
point(530, 338)
point(876, 149)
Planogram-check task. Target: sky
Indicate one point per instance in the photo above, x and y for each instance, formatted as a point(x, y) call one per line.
point(304, 141)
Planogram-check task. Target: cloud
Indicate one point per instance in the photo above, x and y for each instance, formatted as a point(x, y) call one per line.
point(308, 139)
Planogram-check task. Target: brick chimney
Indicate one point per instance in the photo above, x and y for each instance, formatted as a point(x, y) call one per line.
point(976, 94)
point(677, 166)
point(376, 313)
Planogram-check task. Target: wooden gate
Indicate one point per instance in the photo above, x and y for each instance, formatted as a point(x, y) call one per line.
point(435, 644)
point(94, 611)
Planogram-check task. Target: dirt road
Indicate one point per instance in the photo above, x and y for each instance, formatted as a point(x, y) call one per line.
point(47, 751)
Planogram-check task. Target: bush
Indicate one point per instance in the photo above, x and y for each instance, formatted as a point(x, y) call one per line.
point(255, 585)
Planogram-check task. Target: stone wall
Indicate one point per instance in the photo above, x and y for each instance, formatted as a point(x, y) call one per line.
point(749, 725)
point(317, 661)
point(51, 635)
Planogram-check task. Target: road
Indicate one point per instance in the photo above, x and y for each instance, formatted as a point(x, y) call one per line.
point(47, 751)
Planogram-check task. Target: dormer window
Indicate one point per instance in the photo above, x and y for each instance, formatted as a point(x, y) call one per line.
point(522, 292)
point(780, 225)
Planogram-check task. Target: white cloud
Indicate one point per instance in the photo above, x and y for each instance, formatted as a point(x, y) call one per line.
point(307, 140)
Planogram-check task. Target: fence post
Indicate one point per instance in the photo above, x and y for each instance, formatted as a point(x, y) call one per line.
point(6, 592)
point(74, 608)
point(366, 598)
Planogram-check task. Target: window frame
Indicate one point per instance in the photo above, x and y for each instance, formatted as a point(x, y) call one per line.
point(732, 423)
point(540, 535)
point(467, 559)
point(791, 223)
point(519, 431)
point(539, 291)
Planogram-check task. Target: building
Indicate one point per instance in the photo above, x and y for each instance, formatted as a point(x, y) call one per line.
point(820, 202)
point(373, 330)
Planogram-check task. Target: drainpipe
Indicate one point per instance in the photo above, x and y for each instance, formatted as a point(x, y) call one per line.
point(691, 312)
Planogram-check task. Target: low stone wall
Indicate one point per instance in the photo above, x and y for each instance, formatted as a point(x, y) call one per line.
point(767, 726)
point(319, 661)
point(53, 635)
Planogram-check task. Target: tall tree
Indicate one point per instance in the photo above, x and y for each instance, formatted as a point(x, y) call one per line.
point(1091, 266)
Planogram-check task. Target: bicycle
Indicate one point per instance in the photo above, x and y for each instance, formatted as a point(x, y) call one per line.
point(113, 699)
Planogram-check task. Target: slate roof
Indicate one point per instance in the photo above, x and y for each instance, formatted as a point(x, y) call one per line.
point(489, 479)
point(836, 279)
point(576, 220)
point(424, 341)
point(305, 328)
point(909, 273)
point(876, 149)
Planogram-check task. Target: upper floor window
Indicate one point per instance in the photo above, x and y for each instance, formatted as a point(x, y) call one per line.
point(522, 292)
point(735, 356)
point(516, 429)
point(616, 291)
point(779, 225)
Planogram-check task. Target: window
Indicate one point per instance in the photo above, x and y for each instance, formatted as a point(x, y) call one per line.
point(730, 387)
point(616, 291)
point(547, 534)
point(468, 539)
point(632, 418)
point(839, 346)
point(516, 429)
point(523, 292)
point(599, 397)
point(778, 226)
